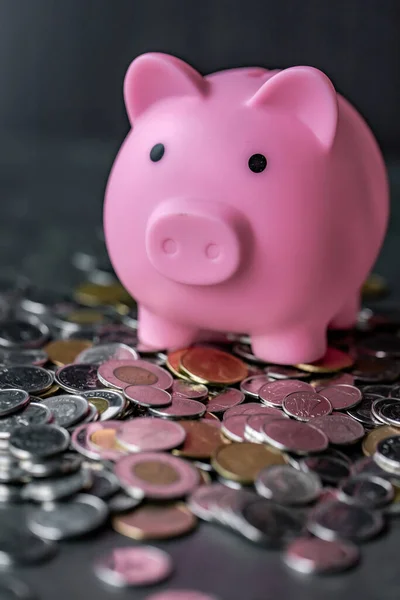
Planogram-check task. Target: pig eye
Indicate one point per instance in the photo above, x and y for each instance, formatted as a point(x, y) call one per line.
point(157, 152)
point(257, 163)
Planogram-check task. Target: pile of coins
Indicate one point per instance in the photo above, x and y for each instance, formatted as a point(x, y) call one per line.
point(97, 429)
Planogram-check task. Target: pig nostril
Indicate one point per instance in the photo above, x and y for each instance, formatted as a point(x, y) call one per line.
point(169, 246)
point(212, 251)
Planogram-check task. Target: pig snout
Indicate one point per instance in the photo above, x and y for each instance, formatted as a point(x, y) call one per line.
point(194, 242)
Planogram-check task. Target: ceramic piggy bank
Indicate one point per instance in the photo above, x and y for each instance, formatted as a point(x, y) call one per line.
point(249, 201)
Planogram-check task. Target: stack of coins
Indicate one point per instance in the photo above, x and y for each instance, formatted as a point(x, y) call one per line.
point(97, 429)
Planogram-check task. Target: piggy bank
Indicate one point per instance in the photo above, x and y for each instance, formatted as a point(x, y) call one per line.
point(250, 200)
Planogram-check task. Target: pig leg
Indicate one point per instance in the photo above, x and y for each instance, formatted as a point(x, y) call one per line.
point(301, 345)
point(161, 333)
point(347, 316)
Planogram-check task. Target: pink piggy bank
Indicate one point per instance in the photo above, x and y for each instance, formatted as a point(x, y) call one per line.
point(249, 201)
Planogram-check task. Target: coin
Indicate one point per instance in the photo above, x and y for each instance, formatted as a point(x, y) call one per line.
point(129, 566)
point(337, 379)
point(252, 408)
point(156, 521)
point(110, 403)
point(330, 469)
point(26, 377)
point(387, 410)
point(64, 352)
point(274, 393)
point(102, 438)
point(158, 475)
point(147, 396)
point(381, 345)
point(180, 408)
point(39, 441)
point(18, 546)
point(363, 411)
point(284, 372)
point(334, 519)
point(270, 524)
point(33, 414)
point(375, 286)
point(367, 490)
point(374, 370)
point(49, 392)
point(194, 391)
point(209, 365)
point(104, 484)
point(65, 463)
point(242, 462)
point(64, 520)
point(252, 385)
point(122, 334)
point(340, 429)
point(174, 361)
point(304, 406)
point(285, 485)
point(334, 360)
point(12, 400)
point(32, 356)
point(234, 427)
point(313, 556)
point(202, 440)
point(373, 438)
point(381, 389)
point(181, 595)
point(294, 436)
point(341, 396)
point(219, 402)
point(29, 332)
point(120, 374)
point(254, 426)
point(147, 434)
point(95, 294)
point(77, 378)
point(101, 353)
point(387, 453)
point(56, 488)
point(67, 410)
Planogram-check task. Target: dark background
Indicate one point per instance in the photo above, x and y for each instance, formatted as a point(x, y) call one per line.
point(62, 119)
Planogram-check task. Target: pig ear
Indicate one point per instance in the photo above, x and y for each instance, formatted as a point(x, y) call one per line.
point(155, 76)
point(307, 93)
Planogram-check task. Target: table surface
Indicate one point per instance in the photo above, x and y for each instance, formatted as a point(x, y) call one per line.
point(52, 202)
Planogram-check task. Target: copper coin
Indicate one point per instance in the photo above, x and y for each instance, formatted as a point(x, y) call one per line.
point(342, 396)
point(147, 434)
point(194, 391)
point(122, 373)
point(334, 360)
point(254, 428)
point(202, 439)
point(250, 408)
point(133, 566)
point(274, 393)
point(156, 521)
point(340, 429)
point(209, 365)
point(64, 352)
point(174, 363)
point(304, 406)
point(147, 395)
point(252, 385)
point(373, 438)
point(158, 475)
point(243, 462)
point(220, 402)
point(294, 436)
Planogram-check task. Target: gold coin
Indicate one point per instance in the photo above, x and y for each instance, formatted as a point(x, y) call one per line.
point(100, 404)
point(371, 441)
point(333, 361)
point(209, 365)
point(85, 316)
point(50, 392)
point(374, 287)
point(64, 352)
point(93, 294)
point(156, 521)
point(156, 472)
point(173, 363)
point(202, 439)
point(242, 462)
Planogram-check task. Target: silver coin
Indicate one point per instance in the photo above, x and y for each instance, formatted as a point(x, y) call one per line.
point(33, 414)
point(12, 400)
point(18, 546)
point(29, 332)
point(273, 394)
point(14, 589)
point(133, 566)
point(251, 385)
point(245, 352)
point(254, 427)
point(334, 519)
point(282, 372)
point(68, 318)
point(122, 334)
point(342, 396)
point(194, 391)
point(203, 500)
point(26, 377)
point(294, 436)
point(115, 400)
point(57, 488)
point(180, 408)
point(270, 524)
point(387, 454)
point(12, 473)
point(314, 556)
point(67, 410)
point(39, 441)
point(381, 345)
point(77, 378)
point(367, 490)
point(362, 412)
point(104, 484)
point(330, 469)
point(368, 466)
point(38, 301)
point(11, 493)
point(91, 416)
point(387, 411)
point(394, 391)
point(122, 502)
point(340, 429)
point(64, 520)
point(66, 463)
point(304, 405)
point(11, 358)
point(285, 485)
point(97, 355)
point(381, 389)
point(220, 401)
